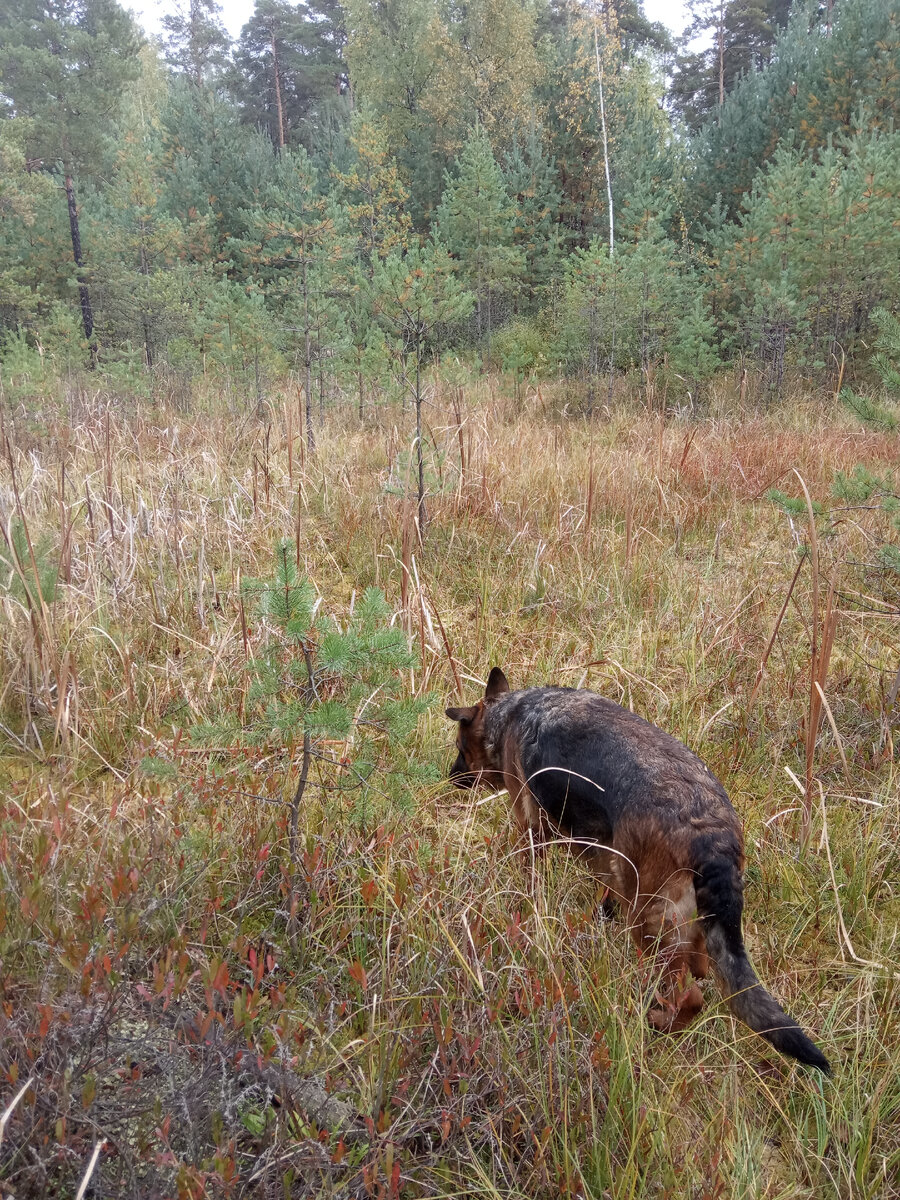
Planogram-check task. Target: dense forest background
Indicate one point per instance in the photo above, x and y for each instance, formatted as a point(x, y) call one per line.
point(550, 187)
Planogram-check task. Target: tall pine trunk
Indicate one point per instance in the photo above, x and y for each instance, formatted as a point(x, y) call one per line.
point(279, 107)
point(87, 312)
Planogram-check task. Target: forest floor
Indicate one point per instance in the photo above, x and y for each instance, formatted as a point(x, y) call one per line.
point(434, 1020)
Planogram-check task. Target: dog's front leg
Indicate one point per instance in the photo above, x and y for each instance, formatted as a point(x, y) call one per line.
point(531, 827)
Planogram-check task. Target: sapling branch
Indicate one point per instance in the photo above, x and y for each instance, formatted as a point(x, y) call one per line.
point(298, 798)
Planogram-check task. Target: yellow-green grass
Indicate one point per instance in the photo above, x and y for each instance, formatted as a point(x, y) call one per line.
point(480, 1020)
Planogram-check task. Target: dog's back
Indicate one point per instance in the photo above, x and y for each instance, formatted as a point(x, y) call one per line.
point(592, 764)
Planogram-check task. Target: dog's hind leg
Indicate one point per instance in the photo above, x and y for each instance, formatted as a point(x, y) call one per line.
point(604, 864)
point(665, 924)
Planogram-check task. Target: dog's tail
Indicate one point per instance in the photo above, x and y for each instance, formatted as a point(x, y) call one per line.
point(719, 892)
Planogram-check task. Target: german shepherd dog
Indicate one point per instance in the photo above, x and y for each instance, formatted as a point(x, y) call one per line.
point(650, 820)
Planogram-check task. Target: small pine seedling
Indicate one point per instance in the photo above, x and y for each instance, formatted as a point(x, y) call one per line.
point(337, 688)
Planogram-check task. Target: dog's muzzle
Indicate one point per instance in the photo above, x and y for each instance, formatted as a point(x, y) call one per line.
point(460, 775)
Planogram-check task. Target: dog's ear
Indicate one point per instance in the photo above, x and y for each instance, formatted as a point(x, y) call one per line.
point(496, 685)
point(463, 715)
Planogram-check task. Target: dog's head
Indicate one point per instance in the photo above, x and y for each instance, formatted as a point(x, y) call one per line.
point(473, 763)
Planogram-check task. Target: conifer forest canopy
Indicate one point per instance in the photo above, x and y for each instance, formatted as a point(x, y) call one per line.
point(345, 186)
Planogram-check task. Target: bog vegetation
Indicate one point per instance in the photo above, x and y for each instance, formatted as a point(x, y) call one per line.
point(338, 364)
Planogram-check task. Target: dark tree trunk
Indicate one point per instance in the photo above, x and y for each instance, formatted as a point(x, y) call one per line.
point(87, 312)
point(298, 799)
point(593, 359)
point(145, 315)
point(279, 107)
point(299, 887)
point(321, 383)
point(307, 362)
point(423, 515)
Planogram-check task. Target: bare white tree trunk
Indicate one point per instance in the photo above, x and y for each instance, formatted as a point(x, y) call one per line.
point(612, 245)
point(609, 200)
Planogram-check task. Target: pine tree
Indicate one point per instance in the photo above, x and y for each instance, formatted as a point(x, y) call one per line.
point(372, 218)
point(817, 86)
point(750, 29)
point(736, 39)
point(652, 289)
point(649, 165)
point(197, 44)
point(531, 181)
point(138, 242)
point(886, 359)
point(475, 222)
point(289, 248)
point(65, 64)
point(575, 135)
point(365, 356)
point(216, 168)
point(622, 311)
point(771, 312)
point(413, 294)
point(237, 333)
point(698, 83)
point(636, 32)
point(813, 254)
point(32, 237)
point(693, 351)
point(290, 75)
point(589, 319)
point(325, 682)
